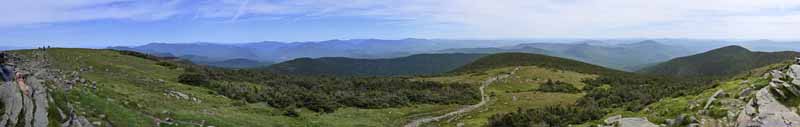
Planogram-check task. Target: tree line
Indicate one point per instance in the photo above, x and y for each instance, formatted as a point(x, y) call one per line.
point(325, 93)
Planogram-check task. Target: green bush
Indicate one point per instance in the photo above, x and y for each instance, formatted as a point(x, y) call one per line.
point(557, 86)
point(550, 116)
point(138, 54)
point(167, 64)
point(717, 112)
point(196, 79)
point(327, 93)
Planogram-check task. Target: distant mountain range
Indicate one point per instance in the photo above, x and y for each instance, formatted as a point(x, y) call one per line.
point(411, 65)
point(725, 61)
point(3, 48)
point(629, 56)
point(621, 54)
point(237, 63)
point(282, 51)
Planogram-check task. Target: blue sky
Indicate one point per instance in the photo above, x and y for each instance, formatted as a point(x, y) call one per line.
point(98, 23)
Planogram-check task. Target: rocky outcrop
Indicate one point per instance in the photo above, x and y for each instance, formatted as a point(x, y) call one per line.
point(182, 96)
point(12, 98)
point(26, 96)
point(765, 110)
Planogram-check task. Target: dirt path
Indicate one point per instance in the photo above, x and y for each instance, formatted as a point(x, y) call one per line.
point(484, 100)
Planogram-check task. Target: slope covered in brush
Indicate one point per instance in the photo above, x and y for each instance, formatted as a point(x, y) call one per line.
point(725, 61)
point(123, 88)
point(410, 65)
point(523, 59)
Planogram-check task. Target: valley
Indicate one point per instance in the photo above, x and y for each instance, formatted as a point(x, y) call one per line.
point(91, 87)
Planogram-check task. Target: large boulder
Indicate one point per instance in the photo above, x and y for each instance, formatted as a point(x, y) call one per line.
point(636, 122)
point(11, 97)
point(768, 112)
point(713, 98)
point(5, 74)
point(745, 92)
point(776, 74)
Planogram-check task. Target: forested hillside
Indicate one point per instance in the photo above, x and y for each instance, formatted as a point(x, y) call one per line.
point(411, 65)
point(721, 62)
point(524, 59)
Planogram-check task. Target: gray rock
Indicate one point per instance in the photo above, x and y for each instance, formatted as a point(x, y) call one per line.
point(12, 98)
point(713, 98)
point(636, 122)
point(745, 92)
point(613, 119)
point(776, 74)
point(791, 89)
point(769, 112)
point(794, 71)
point(77, 121)
point(40, 101)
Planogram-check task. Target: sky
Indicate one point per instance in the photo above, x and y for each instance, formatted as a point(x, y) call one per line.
point(134, 22)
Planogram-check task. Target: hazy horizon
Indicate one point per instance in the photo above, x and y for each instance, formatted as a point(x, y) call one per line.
point(134, 22)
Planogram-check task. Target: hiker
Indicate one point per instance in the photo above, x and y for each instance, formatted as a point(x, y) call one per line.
point(21, 83)
point(5, 74)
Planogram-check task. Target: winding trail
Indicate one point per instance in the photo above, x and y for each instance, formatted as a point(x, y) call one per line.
point(484, 100)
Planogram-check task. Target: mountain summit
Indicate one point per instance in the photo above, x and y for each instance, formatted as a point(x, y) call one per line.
point(723, 61)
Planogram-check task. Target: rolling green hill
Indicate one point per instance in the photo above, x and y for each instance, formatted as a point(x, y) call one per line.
point(725, 61)
point(123, 88)
point(129, 89)
point(410, 65)
point(523, 59)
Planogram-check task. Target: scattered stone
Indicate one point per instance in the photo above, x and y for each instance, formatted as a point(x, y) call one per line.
point(776, 74)
point(613, 119)
point(97, 123)
point(713, 98)
point(745, 92)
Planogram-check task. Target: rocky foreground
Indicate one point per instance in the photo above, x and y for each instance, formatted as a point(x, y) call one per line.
point(24, 93)
point(765, 109)
point(757, 104)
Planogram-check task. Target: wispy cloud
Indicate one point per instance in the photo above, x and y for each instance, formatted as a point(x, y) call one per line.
point(479, 18)
point(57, 11)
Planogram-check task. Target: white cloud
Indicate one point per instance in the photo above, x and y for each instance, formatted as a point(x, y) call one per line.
point(32, 12)
point(478, 18)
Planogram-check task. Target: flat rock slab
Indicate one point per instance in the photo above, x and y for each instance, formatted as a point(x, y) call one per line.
point(636, 122)
point(772, 113)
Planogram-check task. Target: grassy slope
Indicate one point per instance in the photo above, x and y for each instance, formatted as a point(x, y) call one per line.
point(521, 86)
point(129, 94)
point(670, 108)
